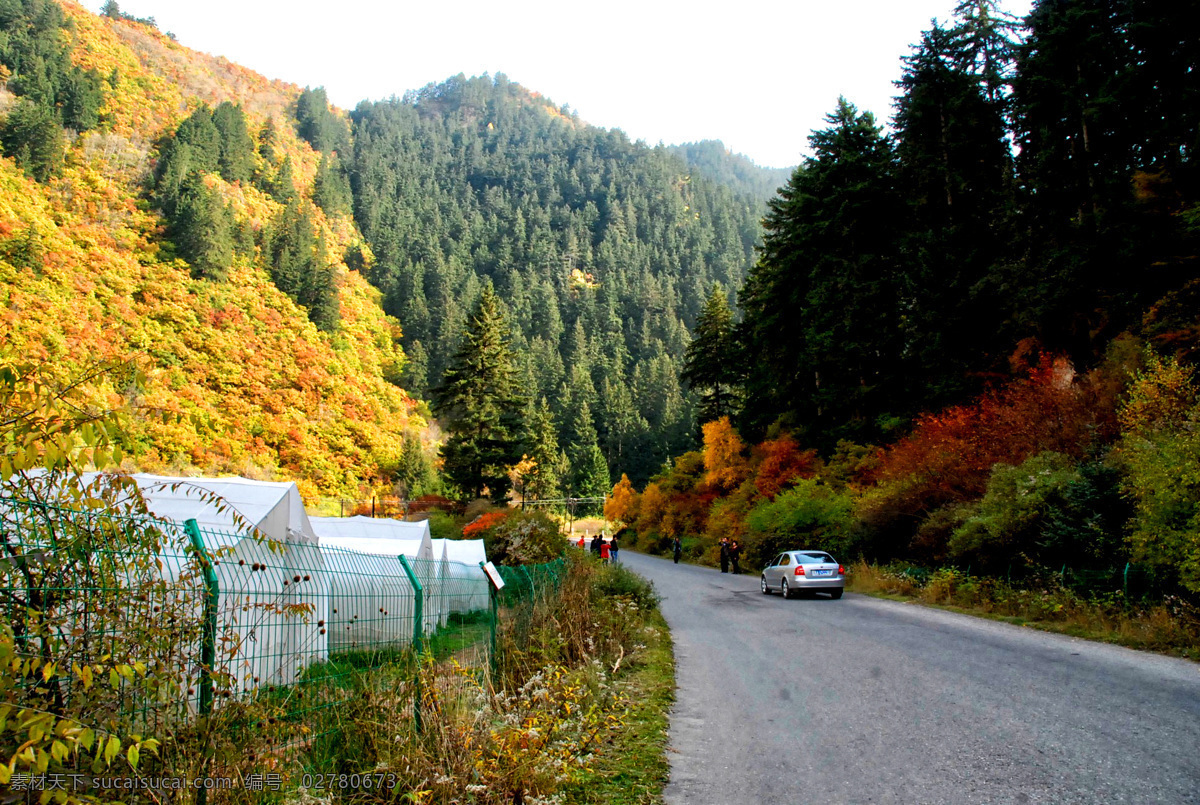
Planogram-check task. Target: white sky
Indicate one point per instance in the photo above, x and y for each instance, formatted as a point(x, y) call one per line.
point(759, 75)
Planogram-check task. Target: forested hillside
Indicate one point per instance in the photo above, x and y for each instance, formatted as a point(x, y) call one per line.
point(972, 340)
point(156, 215)
point(711, 159)
point(602, 251)
point(1038, 193)
point(206, 223)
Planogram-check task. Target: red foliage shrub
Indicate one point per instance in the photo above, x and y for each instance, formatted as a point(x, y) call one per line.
point(949, 456)
point(781, 461)
point(484, 523)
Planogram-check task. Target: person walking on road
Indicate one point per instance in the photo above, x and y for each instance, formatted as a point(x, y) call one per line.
point(724, 555)
point(735, 554)
point(597, 541)
point(605, 552)
point(676, 549)
point(613, 548)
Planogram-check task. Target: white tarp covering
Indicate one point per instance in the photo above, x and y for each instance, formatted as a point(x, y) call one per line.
point(267, 618)
point(274, 508)
point(467, 587)
point(384, 538)
point(370, 597)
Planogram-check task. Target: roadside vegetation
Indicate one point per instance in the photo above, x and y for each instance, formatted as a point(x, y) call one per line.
point(1170, 625)
point(1057, 499)
point(575, 713)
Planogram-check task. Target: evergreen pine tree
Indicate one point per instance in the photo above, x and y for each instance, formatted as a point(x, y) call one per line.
point(235, 159)
point(709, 366)
point(202, 229)
point(543, 480)
point(589, 476)
point(300, 266)
point(954, 167)
point(480, 406)
point(32, 136)
point(323, 130)
point(822, 332)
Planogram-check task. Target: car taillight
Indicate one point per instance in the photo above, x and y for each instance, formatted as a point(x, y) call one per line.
point(841, 570)
point(799, 570)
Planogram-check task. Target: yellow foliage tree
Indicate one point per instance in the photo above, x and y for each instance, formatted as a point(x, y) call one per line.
point(624, 503)
point(725, 464)
point(653, 507)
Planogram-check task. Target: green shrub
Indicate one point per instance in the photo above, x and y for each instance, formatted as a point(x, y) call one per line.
point(445, 526)
point(1007, 523)
point(809, 515)
point(524, 538)
point(617, 581)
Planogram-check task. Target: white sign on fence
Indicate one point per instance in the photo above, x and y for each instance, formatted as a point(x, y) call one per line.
point(494, 575)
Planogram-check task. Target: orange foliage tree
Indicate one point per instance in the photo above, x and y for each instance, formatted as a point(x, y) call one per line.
point(724, 460)
point(652, 506)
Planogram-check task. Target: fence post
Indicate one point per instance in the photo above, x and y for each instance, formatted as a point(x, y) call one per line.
point(208, 638)
point(418, 633)
point(494, 600)
point(1125, 580)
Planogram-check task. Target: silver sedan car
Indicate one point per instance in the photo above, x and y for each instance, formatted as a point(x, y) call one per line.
point(799, 572)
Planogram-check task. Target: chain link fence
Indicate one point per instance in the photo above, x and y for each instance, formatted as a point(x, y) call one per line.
point(219, 618)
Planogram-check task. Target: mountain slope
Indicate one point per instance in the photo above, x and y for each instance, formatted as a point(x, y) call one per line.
point(86, 275)
point(713, 160)
point(604, 251)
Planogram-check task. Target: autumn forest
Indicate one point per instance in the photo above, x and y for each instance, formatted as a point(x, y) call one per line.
point(963, 332)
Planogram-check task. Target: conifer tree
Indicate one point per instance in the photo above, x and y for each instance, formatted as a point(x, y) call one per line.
point(300, 266)
point(822, 330)
point(955, 168)
point(322, 129)
point(32, 136)
point(416, 475)
point(235, 156)
point(202, 229)
point(709, 366)
point(987, 39)
point(589, 476)
point(480, 406)
point(543, 480)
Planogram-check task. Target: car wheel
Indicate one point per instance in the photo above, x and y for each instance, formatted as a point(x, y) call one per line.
point(835, 594)
point(766, 590)
point(783, 589)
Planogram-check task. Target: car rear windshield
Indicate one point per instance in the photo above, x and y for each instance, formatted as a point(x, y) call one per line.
point(809, 558)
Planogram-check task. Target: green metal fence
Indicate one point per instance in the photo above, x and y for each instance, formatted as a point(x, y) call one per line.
point(221, 617)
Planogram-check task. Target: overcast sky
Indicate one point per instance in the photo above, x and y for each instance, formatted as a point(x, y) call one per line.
point(759, 75)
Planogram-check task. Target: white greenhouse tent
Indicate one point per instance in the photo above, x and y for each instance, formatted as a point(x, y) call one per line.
point(367, 584)
point(273, 591)
point(466, 584)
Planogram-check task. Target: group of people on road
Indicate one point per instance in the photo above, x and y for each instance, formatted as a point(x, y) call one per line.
point(606, 549)
point(731, 554)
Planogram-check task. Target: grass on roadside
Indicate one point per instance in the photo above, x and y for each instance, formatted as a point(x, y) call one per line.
point(576, 711)
point(633, 769)
point(1171, 626)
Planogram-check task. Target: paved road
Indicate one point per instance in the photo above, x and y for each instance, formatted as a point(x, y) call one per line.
point(870, 701)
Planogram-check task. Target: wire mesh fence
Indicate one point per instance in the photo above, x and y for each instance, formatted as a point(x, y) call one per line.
point(221, 619)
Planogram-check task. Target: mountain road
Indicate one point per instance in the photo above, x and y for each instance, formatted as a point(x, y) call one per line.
point(865, 700)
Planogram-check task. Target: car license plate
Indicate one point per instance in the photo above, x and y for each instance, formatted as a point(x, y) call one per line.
point(822, 572)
